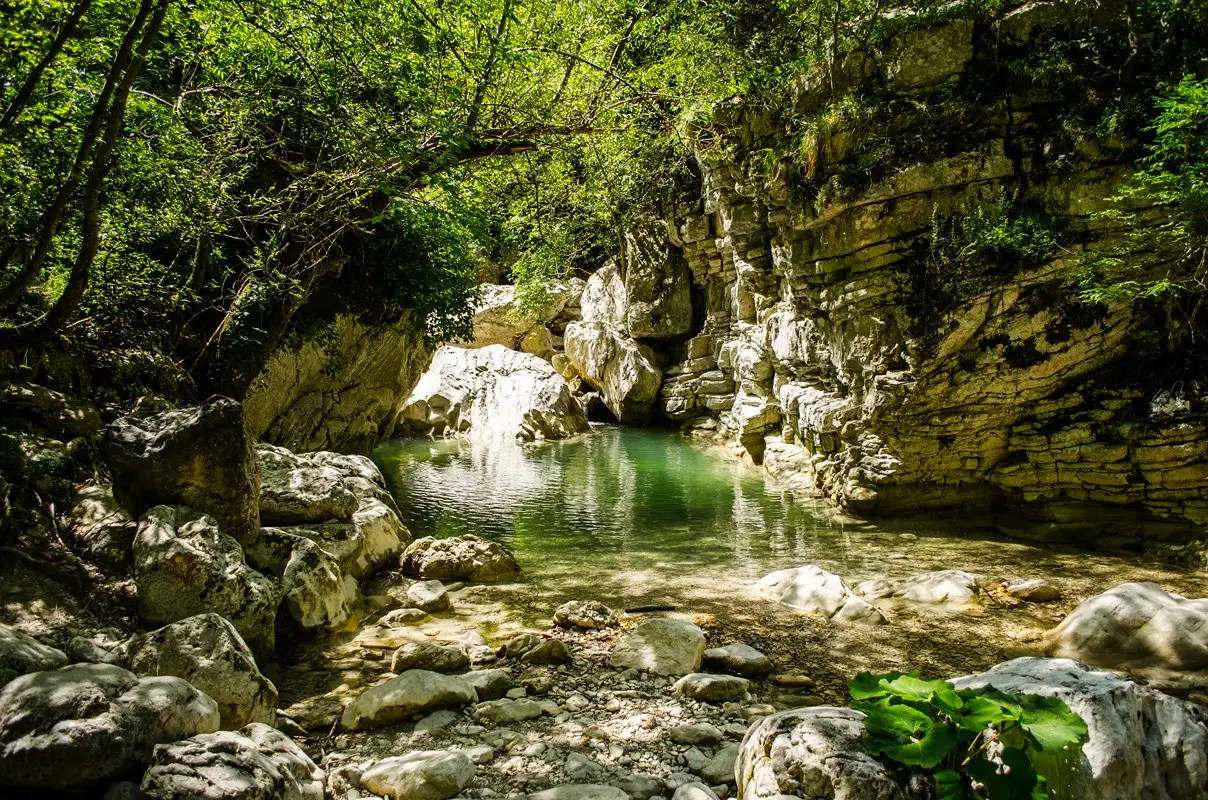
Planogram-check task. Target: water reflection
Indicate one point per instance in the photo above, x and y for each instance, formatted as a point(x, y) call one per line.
point(619, 496)
point(646, 516)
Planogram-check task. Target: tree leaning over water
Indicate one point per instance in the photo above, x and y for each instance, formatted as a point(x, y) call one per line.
point(182, 179)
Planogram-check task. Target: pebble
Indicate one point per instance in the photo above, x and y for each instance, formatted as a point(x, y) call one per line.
point(613, 705)
point(481, 754)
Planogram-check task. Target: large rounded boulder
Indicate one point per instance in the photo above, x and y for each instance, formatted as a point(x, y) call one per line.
point(460, 558)
point(1135, 625)
point(184, 565)
point(209, 653)
point(84, 724)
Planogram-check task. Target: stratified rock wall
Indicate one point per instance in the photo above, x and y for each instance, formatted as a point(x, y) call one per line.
point(827, 354)
point(339, 389)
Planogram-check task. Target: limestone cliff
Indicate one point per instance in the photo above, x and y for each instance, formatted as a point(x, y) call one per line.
point(836, 353)
point(339, 388)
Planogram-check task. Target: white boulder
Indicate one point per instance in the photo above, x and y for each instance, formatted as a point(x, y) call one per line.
point(1140, 743)
point(209, 653)
point(83, 724)
point(492, 393)
point(1135, 625)
point(460, 558)
point(817, 591)
point(257, 763)
point(415, 691)
point(662, 646)
point(183, 565)
point(624, 371)
point(420, 775)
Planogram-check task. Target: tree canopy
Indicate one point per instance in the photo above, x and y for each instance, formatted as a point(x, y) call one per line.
point(182, 178)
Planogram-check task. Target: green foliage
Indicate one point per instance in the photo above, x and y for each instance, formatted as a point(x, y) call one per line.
point(974, 743)
point(988, 240)
point(1166, 254)
point(974, 249)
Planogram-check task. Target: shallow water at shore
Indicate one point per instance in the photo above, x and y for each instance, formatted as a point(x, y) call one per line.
point(641, 517)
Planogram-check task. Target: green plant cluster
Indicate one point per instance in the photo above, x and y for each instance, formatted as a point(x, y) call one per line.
point(978, 744)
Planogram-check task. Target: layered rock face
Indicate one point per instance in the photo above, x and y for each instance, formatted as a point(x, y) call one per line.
point(338, 390)
point(837, 353)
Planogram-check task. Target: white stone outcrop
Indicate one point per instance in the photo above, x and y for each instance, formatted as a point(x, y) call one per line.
point(338, 501)
point(813, 589)
point(316, 592)
point(257, 763)
point(624, 371)
point(492, 393)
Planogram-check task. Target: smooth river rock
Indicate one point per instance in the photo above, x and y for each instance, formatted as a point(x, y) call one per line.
point(1135, 625)
point(586, 614)
point(492, 393)
point(580, 791)
point(460, 558)
point(662, 646)
point(415, 691)
point(257, 763)
point(430, 596)
point(817, 591)
point(429, 656)
point(420, 775)
point(738, 659)
point(209, 653)
point(711, 688)
point(87, 723)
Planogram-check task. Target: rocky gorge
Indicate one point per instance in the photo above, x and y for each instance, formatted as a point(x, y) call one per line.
point(992, 480)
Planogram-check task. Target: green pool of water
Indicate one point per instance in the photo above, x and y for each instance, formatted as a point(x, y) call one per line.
point(642, 516)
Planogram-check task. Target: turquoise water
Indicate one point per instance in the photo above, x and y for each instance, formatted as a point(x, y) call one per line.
point(648, 516)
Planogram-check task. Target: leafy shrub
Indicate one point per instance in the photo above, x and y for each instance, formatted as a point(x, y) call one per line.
point(969, 249)
point(974, 743)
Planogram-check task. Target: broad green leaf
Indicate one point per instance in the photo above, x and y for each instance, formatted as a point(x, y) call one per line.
point(906, 686)
point(1050, 724)
point(983, 709)
point(910, 687)
point(866, 686)
point(948, 785)
point(906, 734)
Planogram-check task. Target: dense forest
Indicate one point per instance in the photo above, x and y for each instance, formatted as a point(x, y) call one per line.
point(604, 400)
point(181, 179)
